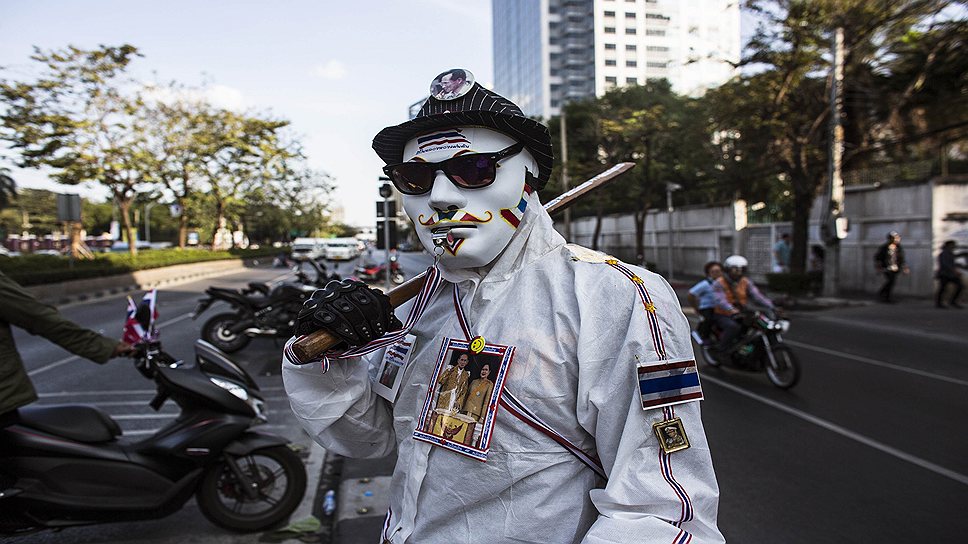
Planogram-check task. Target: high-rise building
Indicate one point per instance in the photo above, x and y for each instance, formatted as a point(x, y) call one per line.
point(547, 52)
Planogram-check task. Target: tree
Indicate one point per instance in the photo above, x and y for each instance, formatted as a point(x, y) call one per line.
point(8, 188)
point(237, 152)
point(78, 117)
point(777, 112)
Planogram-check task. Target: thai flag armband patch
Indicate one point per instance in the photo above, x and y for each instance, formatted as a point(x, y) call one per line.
point(668, 382)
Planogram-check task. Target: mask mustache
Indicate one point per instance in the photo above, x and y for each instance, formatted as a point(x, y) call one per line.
point(457, 216)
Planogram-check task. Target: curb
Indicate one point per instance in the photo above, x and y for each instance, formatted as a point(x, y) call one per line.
point(74, 291)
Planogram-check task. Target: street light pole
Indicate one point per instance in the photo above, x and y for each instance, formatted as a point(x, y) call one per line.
point(669, 209)
point(385, 192)
point(148, 207)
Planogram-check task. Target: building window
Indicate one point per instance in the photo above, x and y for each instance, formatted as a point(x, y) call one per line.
point(631, 63)
point(555, 103)
point(610, 62)
point(630, 47)
point(657, 48)
point(630, 31)
point(610, 30)
point(610, 14)
point(631, 81)
point(609, 46)
point(610, 80)
point(657, 16)
point(651, 32)
point(630, 15)
point(656, 64)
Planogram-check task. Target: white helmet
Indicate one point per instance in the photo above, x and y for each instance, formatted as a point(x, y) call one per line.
point(735, 261)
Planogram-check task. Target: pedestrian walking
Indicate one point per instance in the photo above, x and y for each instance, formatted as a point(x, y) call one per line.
point(948, 273)
point(890, 262)
point(781, 254)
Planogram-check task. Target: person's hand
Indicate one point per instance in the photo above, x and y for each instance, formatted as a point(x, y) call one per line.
point(123, 349)
point(349, 310)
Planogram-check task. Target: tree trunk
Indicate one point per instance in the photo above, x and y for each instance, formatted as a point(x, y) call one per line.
point(802, 204)
point(124, 205)
point(598, 223)
point(182, 229)
point(219, 214)
point(640, 216)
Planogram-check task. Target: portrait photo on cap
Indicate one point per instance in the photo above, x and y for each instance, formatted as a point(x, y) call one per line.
point(452, 84)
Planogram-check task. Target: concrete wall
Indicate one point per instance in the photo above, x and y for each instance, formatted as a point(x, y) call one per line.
point(925, 214)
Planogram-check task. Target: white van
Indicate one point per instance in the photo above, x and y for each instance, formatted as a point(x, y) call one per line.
point(308, 248)
point(342, 249)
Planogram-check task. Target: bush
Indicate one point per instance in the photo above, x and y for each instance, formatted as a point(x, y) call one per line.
point(790, 283)
point(41, 269)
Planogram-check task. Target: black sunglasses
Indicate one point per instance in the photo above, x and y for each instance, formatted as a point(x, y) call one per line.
point(470, 171)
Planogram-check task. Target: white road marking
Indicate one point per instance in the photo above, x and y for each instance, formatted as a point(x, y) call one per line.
point(144, 432)
point(847, 433)
point(99, 393)
point(875, 362)
point(869, 361)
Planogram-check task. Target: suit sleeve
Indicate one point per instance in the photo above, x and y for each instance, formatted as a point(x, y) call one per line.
point(18, 307)
point(651, 496)
point(339, 409)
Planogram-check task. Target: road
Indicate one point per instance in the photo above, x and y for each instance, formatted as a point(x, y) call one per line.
point(870, 446)
point(122, 392)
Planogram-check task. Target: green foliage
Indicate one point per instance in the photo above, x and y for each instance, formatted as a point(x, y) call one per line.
point(42, 269)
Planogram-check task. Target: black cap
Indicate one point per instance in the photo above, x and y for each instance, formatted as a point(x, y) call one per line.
point(472, 105)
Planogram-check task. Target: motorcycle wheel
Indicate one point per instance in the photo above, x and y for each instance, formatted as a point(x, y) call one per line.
point(708, 356)
point(397, 278)
point(215, 331)
point(280, 478)
point(786, 372)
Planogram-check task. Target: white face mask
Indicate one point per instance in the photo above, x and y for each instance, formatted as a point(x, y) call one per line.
point(481, 220)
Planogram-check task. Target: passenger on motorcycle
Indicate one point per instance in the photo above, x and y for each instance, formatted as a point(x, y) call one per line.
point(702, 297)
point(734, 291)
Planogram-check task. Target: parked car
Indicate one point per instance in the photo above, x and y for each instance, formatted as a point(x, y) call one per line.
point(342, 249)
point(308, 248)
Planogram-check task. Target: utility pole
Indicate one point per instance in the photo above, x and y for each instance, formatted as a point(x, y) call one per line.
point(564, 171)
point(834, 227)
point(386, 192)
point(669, 209)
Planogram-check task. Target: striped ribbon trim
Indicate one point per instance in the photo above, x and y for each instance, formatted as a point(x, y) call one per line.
point(520, 411)
point(665, 462)
point(647, 302)
point(386, 525)
point(668, 412)
point(421, 303)
point(461, 318)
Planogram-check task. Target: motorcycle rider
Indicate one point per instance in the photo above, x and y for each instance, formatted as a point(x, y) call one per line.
point(734, 291)
point(702, 298)
point(578, 330)
point(20, 308)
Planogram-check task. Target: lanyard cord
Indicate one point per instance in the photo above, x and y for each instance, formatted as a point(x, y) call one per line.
point(518, 409)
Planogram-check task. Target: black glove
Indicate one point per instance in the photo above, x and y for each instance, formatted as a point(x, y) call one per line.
point(349, 310)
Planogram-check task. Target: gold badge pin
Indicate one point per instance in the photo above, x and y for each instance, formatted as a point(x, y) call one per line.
point(477, 344)
point(671, 434)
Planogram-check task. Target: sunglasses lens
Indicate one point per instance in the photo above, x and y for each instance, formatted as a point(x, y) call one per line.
point(472, 171)
point(412, 178)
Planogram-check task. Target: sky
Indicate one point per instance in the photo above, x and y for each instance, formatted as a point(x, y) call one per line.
point(340, 71)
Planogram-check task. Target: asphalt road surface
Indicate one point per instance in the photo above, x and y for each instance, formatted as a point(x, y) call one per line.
point(870, 446)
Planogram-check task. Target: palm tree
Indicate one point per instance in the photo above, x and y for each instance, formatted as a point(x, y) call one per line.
point(8, 188)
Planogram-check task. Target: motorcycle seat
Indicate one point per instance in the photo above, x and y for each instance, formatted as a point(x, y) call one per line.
point(230, 295)
point(74, 421)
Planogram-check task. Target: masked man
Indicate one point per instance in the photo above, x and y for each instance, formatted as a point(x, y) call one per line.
point(591, 358)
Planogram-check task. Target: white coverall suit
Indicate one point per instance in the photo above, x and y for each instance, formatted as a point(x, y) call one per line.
point(579, 328)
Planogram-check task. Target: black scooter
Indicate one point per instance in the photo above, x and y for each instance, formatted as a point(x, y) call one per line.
point(66, 465)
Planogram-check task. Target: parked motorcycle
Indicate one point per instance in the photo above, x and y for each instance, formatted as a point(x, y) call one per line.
point(67, 465)
point(374, 272)
point(759, 347)
point(259, 310)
